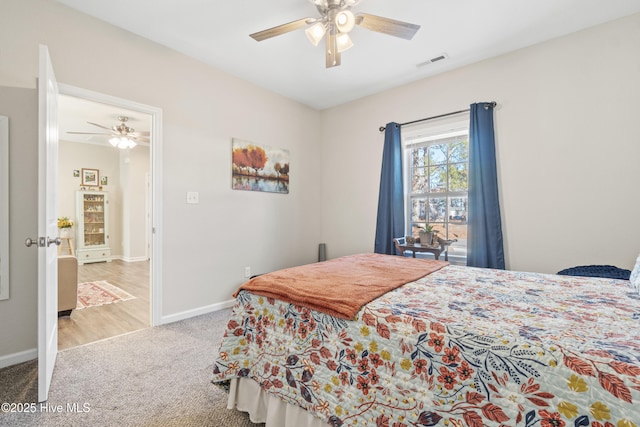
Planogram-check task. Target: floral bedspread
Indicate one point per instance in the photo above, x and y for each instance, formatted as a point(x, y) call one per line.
point(461, 347)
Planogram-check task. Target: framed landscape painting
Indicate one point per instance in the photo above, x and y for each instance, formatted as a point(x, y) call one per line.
point(90, 177)
point(259, 167)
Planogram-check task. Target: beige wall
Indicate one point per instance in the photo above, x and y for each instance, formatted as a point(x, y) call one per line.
point(18, 314)
point(134, 175)
point(206, 246)
point(74, 156)
point(566, 135)
point(567, 147)
point(125, 170)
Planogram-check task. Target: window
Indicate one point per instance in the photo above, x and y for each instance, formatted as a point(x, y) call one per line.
point(436, 179)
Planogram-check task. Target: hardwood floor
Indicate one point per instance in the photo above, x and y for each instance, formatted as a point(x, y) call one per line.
point(95, 323)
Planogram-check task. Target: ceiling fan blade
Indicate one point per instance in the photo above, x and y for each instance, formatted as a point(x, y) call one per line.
point(388, 26)
point(139, 138)
point(100, 126)
point(90, 133)
point(142, 133)
point(280, 29)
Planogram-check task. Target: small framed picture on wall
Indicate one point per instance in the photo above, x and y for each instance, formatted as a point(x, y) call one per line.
point(90, 177)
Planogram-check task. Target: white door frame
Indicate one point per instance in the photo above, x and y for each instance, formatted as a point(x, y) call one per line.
point(4, 207)
point(148, 232)
point(156, 183)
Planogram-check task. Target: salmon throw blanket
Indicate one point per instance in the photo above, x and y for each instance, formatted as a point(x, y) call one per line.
point(340, 287)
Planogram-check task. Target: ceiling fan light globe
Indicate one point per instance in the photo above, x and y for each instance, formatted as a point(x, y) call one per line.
point(345, 21)
point(343, 42)
point(315, 33)
point(122, 142)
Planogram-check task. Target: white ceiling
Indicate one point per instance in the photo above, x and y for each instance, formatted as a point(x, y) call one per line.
point(217, 33)
point(74, 113)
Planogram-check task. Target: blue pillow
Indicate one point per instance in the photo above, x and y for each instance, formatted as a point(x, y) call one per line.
point(608, 271)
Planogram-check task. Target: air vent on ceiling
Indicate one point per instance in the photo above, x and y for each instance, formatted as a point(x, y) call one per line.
point(438, 58)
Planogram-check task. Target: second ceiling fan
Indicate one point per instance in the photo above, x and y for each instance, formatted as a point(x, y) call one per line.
point(336, 21)
point(121, 135)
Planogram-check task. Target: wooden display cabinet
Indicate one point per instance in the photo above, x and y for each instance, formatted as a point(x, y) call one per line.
point(92, 216)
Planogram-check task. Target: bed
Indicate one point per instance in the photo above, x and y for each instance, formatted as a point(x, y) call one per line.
point(458, 346)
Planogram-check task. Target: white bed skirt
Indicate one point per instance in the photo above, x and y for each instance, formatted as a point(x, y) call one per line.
point(246, 395)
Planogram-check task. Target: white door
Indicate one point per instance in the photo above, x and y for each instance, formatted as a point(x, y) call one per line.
point(47, 223)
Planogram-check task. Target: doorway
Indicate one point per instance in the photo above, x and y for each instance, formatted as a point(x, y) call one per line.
point(131, 179)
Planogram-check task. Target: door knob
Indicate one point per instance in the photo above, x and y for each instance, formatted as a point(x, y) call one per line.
point(41, 242)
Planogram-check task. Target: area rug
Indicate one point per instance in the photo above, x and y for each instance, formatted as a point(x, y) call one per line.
point(94, 294)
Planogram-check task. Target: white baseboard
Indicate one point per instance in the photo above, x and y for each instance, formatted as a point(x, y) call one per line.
point(25, 356)
point(15, 358)
point(130, 259)
point(197, 312)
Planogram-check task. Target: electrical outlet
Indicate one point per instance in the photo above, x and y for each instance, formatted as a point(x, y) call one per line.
point(247, 272)
point(193, 197)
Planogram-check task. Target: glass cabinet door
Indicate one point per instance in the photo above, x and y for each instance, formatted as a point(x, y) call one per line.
point(94, 225)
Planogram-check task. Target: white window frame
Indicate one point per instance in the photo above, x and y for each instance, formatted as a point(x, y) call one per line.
point(4, 208)
point(432, 131)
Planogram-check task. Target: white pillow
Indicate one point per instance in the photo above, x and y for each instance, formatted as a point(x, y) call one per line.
point(635, 276)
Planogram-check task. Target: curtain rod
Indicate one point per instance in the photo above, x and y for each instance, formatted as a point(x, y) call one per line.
point(487, 106)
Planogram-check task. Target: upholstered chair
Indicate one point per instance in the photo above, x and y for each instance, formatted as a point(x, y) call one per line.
point(67, 284)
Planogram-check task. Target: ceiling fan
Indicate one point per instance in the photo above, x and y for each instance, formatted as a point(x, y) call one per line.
point(336, 21)
point(122, 136)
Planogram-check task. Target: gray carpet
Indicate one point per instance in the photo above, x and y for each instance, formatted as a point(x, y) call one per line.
point(155, 377)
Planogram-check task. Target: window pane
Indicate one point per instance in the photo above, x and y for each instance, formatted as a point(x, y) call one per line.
point(418, 210)
point(458, 232)
point(440, 228)
point(419, 181)
point(458, 210)
point(438, 179)
point(459, 152)
point(437, 209)
point(438, 154)
point(418, 157)
point(458, 177)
